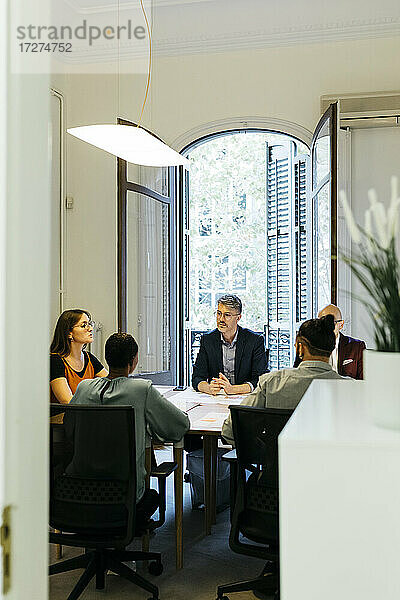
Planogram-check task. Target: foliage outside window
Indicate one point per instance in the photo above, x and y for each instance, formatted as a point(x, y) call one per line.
point(227, 227)
point(244, 237)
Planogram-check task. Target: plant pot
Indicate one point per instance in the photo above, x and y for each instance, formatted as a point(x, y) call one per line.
point(381, 374)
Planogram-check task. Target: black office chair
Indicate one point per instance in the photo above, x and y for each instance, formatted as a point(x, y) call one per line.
point(255, 513)
point(93, 499)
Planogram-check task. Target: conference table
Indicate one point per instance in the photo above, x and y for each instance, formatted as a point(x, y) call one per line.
point(206, 415)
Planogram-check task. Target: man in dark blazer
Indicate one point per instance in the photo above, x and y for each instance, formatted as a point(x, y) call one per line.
point(347, 358)
point(230, 358)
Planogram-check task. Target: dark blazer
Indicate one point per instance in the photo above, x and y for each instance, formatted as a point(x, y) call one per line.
point(350, 356)
point(250, 358)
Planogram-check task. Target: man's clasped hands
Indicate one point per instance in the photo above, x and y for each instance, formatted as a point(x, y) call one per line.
point(220, 383)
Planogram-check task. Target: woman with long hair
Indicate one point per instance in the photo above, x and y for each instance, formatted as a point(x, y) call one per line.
point(70, 363)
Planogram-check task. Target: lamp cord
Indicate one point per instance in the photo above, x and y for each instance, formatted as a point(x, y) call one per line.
point(150, 60)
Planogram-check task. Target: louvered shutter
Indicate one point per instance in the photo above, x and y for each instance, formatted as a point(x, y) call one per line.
point(278, 256)
point(302, 239)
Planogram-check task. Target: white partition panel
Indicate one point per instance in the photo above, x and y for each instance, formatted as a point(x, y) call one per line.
point(339, 497)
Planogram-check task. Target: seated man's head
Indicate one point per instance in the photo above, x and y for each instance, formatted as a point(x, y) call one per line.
point(121, 352)
point(316, 339)
point(229, 312)
point(331, 309)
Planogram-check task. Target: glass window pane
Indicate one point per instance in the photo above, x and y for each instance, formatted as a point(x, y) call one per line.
point(154, 178)
point(227, 227)
point(322, 245)
point(322, 154)
point(148, 281)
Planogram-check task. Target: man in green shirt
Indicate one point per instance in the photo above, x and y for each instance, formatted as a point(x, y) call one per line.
point(155, 416)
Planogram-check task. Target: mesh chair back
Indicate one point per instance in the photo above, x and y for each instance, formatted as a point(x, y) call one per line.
point(256, 433)
point(96, 490)
point(103, 438)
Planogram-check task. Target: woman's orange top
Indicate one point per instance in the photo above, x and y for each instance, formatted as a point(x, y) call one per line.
point(60, 368)
point(74, 377)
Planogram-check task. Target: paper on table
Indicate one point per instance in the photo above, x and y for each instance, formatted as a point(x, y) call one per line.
point(191, 395)
point(230, 400)
point(183, 404)
point(164, 389)
point(213, 419)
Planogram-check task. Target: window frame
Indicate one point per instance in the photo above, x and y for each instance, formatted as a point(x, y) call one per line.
point(124, 186)
point(330, 114)
point(191, 146)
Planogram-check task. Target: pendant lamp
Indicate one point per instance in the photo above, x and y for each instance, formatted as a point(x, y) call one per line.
point(131, 143)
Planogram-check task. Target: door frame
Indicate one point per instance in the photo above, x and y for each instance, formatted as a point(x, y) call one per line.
point(25, 229)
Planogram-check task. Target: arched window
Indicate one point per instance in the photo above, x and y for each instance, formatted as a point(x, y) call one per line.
point(250, 234)
point(255, 216)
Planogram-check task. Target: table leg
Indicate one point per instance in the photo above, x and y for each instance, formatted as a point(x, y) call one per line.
point(213, 506)
point(210, 468)
point(207, 483)
point(178, 489)
point(59, 548)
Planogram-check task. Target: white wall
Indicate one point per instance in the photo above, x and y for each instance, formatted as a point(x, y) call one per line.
point(284, 83)
point(91, 236)
point(187, 92)
point(375, 157)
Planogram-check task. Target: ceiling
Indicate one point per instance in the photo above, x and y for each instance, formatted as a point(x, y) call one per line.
point(209, 26)
point(191, 26)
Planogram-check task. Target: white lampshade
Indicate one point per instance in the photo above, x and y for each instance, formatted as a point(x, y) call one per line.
point(133, 144)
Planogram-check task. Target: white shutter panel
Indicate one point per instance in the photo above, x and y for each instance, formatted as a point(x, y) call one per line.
point(303, 237)
point(278, 255)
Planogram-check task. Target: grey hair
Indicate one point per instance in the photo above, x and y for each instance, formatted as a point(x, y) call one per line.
point(232, 301)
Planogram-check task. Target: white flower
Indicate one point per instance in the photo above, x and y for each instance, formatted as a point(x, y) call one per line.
point(351, 224)
point(368, 229)
point(379, 213)
point(393, 212)
point(377, 220)
point(368, 223)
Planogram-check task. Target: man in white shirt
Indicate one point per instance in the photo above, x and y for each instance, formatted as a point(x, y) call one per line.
point(347, 356)
point(286, 387)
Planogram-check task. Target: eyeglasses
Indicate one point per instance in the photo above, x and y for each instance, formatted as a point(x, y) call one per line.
point(227, 315)
point(86, 324)
point(339, 321)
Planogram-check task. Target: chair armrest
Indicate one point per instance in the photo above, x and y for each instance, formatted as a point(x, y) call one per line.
point(231, 458)
point(56, 409)
point(163, 470)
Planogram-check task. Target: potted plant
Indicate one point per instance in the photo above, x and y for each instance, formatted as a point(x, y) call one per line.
point(374, 261)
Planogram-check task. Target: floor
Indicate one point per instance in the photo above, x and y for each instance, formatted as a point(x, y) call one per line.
point(208, 561)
